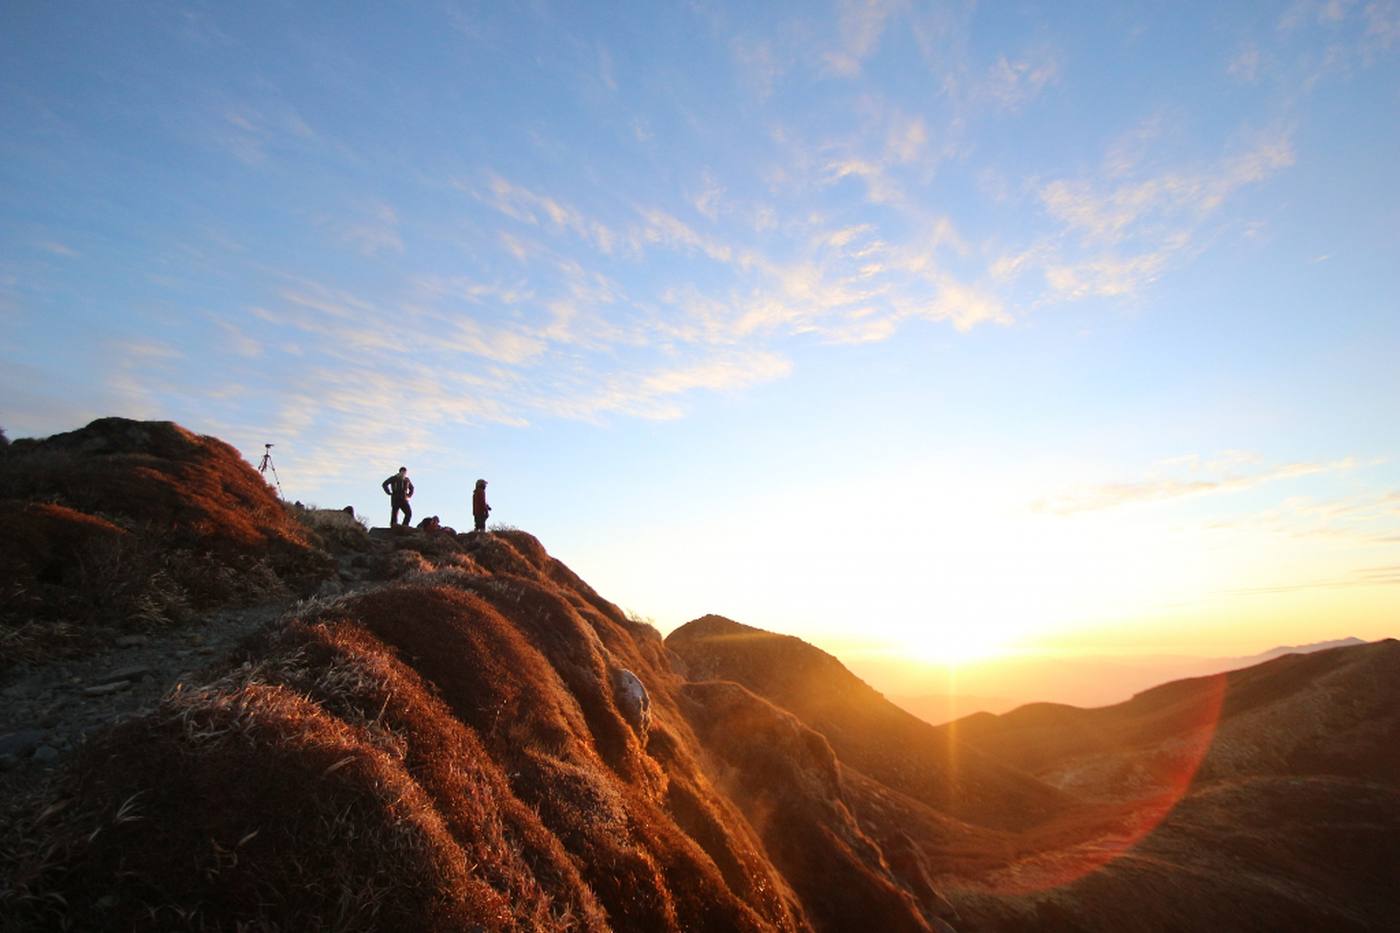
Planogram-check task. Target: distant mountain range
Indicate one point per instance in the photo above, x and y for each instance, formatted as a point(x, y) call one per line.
point(457, 733)
point(1001, 685)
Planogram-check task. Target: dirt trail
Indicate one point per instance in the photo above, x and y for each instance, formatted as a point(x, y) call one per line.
point(47, 711)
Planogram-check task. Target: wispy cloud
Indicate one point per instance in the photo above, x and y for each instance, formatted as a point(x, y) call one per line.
point(540, 210)
point(1013, 82)
point(1164, 488)
point(1354, 35)
point(1382, 25)
point(58, 249)
point(880, 187)
point(653, 394)
point(250, 132)
point(860, 24)
point(145, 351)
point(374, 230)
point(1361, 520)
point(425, 322)
point(758, 65)
point(236, 339)
point(1387, 575)
point(1244, 66)
point(1110, 276)
point(657, 226)
point(607, 70)
point(707, 203)
point(1121, 231)
point(1109, 214)
point(139, 373)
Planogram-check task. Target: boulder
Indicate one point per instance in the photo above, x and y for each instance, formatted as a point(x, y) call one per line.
point(632, 700)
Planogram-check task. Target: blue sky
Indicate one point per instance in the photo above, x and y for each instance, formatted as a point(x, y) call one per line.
point(928, 328)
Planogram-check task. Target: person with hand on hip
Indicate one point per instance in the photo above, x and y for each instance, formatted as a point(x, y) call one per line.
point(399, 489)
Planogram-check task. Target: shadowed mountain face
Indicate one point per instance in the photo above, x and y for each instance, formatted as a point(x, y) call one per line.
point(472, 738)
point(1335, 711)
point(1289, 817)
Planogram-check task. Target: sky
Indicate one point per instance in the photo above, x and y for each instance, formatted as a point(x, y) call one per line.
point(927, 331)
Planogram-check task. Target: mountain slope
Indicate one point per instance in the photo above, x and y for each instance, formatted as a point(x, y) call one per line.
point(479, 742)
point(1333, 711)
point(353, 762)
point(1267, 798)
point(868, 733)
point(135, 524)
point(1261, 799)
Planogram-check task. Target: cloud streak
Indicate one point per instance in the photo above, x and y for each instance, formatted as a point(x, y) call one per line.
point(1107, 496)
point(1112, 214)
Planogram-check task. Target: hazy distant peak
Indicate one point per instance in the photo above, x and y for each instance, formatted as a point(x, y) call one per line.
point(1312, 646)
point(711, 624)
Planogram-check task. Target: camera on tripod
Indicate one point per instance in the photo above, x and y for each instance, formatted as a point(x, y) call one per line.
point(266, 464)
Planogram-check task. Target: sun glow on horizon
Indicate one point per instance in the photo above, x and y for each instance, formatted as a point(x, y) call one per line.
point(956, 648)
point(951, 567)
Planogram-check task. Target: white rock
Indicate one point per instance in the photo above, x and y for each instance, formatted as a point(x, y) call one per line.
point(632, 699)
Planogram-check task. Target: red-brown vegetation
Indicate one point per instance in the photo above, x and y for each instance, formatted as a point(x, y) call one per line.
point(787, 781)
point(457, 731)
point(194, 489)
point(136, 523)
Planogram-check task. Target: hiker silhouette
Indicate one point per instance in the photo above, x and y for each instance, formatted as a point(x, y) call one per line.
point(479, 507)
point(399, 489)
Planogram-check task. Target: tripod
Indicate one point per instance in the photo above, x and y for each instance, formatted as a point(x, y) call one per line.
point(266, 464)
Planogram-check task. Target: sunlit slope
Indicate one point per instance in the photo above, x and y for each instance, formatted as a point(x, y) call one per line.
point(868, 732)
point(431, 754)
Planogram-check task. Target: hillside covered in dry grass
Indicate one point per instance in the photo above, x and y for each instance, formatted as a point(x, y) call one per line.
point(125, 524)
point(457, 733)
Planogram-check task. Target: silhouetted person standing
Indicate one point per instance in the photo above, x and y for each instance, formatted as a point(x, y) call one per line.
point(399, 489)
point(479, 507)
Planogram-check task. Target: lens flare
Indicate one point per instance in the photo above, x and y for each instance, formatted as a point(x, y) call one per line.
point(1161, 760)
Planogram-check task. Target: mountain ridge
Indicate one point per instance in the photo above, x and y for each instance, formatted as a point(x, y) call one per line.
point(456, 732)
